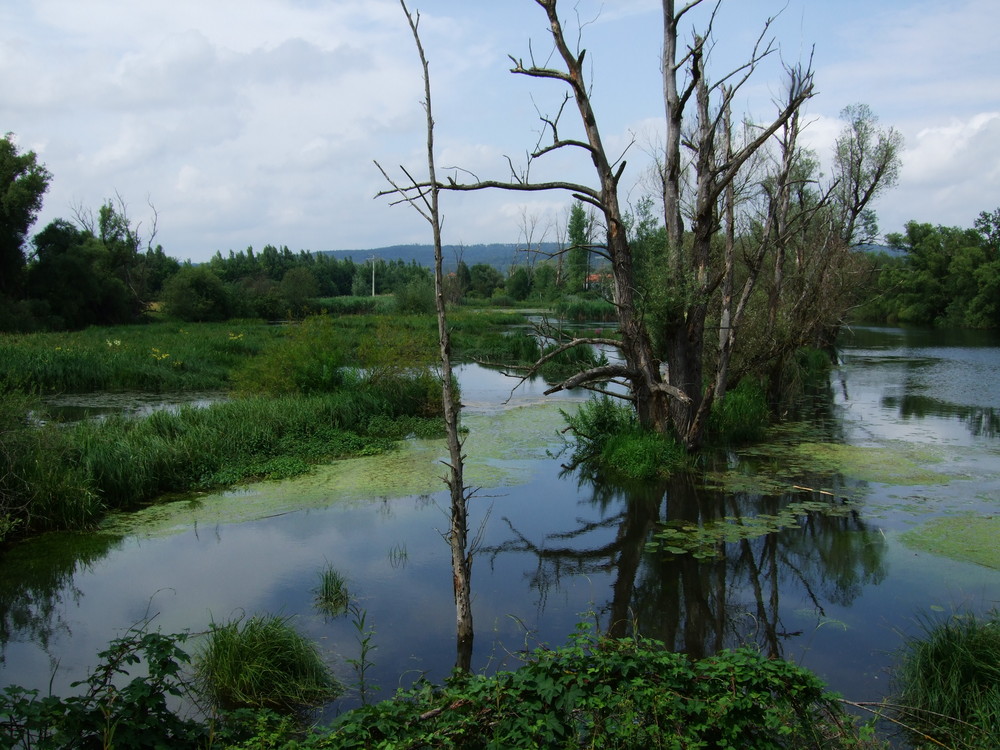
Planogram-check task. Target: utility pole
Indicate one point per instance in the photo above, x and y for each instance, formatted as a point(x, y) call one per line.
point(372, 260)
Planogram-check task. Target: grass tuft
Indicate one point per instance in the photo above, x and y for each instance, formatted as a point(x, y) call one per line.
point(949, 681)
point(332, 596)
point(263, 662)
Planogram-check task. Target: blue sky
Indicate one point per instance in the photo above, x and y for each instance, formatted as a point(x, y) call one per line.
point(248, 122)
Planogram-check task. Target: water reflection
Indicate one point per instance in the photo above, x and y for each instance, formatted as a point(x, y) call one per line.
point(701, 605)
point(38, 587)
point(981, 421)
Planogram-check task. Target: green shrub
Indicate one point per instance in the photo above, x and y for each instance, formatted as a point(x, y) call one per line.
point(630, 693)
point(948, 681)
point(416, 297)
point(110, 712)
point(263, 662)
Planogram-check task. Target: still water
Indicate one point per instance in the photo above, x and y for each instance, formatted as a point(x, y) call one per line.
point(918, 412)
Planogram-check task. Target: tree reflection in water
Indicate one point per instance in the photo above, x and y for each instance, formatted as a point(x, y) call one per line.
point(703, 605)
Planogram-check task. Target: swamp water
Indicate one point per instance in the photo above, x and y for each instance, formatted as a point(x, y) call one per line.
point(829, 543)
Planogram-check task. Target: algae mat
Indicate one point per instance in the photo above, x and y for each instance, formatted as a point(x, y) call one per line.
point(968, 538)
point(501, 451)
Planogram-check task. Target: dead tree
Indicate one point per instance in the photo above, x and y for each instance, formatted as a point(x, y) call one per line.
point(424, 197)
point(663, 356)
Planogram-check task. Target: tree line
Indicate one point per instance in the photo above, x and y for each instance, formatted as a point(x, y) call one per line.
point(939, 276)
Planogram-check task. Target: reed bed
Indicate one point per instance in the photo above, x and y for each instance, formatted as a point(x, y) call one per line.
point(68, 477)
point(332, 596)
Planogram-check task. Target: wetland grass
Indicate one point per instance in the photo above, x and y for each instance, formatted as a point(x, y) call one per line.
point(155, 357)
point(263, 662)
point(332, 596)
point(949, 681)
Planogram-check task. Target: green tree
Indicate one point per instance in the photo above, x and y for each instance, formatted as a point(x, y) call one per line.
point(518, 284)
point(485, 280)
point(196, 294)
point(578, 261)
point(298, 287)
point(70, 273)
point(23, 182)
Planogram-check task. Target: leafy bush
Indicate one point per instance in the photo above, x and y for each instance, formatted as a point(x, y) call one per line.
point(416, 297)
point(107, 713)
point(630, 693)
point(263, 662)
point(195, 293)
point(949, 681)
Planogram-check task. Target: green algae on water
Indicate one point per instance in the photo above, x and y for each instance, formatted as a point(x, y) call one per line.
point(499, 448)
point(967, 538)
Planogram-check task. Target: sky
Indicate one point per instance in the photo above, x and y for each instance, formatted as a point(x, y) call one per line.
point(253, 122)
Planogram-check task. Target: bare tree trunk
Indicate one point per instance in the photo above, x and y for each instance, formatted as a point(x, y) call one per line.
point(458, 531)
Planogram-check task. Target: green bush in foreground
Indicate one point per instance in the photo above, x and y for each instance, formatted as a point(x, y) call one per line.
point(949, 682)
point(108, 713)
point(608, 693)
point(593, 692)
point(263, 662)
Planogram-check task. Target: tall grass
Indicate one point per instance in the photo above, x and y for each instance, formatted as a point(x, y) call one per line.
point(610, 443)
point(579, 309)
point(155, 357)
point(949, 681)
point(742, 416)
point(68, 477)
point(263, 662)
point(331, 593)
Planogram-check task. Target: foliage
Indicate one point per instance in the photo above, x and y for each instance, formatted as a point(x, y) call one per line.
point(579, 310)
point(602, 692)
point(41, 485)
point(107, 713)
point(68, 477)
point(742, 416)
point(945, 276)
point(23, 182)
point(195, 295)
point(609, 442)
point(578, 261)
point(948, 681)
point(263, 662)
point(866, 163)
point(71, 273)
point(415, 297)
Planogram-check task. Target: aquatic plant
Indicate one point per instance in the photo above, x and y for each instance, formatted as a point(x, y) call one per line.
point(609, 442)
point(332, 596)
point(742, 416)
point(579, 309)
point(125, 358)
point(948, 681)
point(263, 662)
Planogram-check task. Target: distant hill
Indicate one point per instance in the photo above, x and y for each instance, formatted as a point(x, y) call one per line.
point(499, 255)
